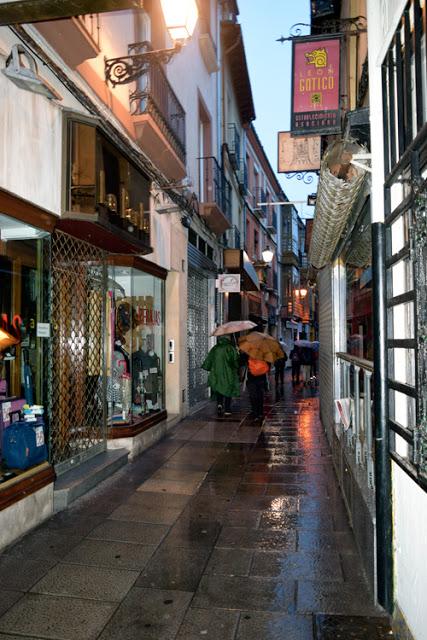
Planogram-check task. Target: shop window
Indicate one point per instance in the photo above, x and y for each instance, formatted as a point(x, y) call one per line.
point(202, 245)
point(24, 332)
point(359, 292)
point(192, 237)
point(209, 252)
point(135, 345)
point(101, 180)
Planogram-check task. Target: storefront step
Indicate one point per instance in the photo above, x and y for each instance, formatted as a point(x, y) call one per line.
point(78, 481)
point(135, 445)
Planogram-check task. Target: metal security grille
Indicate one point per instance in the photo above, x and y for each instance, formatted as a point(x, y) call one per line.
point(76, 380)
point(327, 350)
point(405, 160)
point(198, 336)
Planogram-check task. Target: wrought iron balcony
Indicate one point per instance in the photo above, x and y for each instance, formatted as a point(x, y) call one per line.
point(233, 141)
point(243, 178)
point(215, 195)
point(154, 96)
point(234, 238)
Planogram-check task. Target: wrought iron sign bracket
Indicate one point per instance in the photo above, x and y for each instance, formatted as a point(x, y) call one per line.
point(126, 69)
point(306, 177)
point(340, 27)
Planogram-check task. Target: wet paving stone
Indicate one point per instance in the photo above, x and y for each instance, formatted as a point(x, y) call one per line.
point(245, 593)
point(92, 583)
point(160, 515)
point(266, 626)
point(57, 618)
point(249, 519)
point(329, 627)
point(230, 562)
point(210, 625)
point(290, 504)
point(221, 531)
point(148, 614)
point(297, 566)
point(243, 538)
point(133, 532)
point(42, 543)
point(341, 541)
point(114, 555)
point(8, 597)
point(350, 598)
point(174, 568)
point(21, 576)
point(193, 533)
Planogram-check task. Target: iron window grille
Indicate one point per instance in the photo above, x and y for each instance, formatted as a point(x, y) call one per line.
point(404, 71)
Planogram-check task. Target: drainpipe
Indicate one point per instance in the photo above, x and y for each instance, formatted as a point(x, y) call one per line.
point(383, 483)
point(382, 444)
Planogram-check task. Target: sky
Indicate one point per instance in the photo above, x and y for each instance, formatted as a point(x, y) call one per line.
point(269, 64)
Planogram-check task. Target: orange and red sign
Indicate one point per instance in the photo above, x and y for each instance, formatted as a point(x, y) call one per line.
point(316, 86)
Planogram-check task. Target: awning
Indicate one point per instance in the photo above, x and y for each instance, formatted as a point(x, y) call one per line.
point(237, 261)
point(99, 231)
point(14, 11)
point(340, 183)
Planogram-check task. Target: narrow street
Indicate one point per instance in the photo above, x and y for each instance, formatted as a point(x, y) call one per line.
point(223, 530)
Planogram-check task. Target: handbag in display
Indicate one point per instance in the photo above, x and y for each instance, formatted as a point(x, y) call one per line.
point(24, 444)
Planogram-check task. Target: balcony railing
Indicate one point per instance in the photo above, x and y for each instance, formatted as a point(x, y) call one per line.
point(356, 401)
point(259, 195)
point(155, 96)
point(233, 141)
point(215, 187)
point(243, 178)
point(234, 238)
point(90, 22)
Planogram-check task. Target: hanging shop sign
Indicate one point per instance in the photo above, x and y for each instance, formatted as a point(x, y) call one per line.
point(298, 154)
point(229, 283)
point(315, 86)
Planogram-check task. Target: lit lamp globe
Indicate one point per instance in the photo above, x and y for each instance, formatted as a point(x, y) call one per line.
point(180, 18)
point(267, 254)
point(301, 293)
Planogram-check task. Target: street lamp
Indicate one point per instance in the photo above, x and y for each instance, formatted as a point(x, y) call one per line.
point(180, 20)
point(267, 255)
point(301, 293)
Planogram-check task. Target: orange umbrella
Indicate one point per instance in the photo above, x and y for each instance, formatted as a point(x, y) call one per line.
point(261, 346)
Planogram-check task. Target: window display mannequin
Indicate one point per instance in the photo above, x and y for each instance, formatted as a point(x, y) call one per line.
point(146, 376)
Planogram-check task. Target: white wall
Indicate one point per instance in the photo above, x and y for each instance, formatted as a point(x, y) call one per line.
point(31, 136)
point(410, 551)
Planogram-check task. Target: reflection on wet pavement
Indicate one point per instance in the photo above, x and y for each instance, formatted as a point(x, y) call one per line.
point(225, 530)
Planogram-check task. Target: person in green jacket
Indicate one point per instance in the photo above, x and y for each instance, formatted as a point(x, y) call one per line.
point(222, 362)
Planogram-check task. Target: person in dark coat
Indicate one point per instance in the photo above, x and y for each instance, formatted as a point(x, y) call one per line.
point(279, 366)
point(222, 362)
point(256, 386)
point(296, 364)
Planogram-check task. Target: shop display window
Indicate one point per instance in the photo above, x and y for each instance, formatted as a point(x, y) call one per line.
point(135, 345)
point(101, 180)
point(23, 334)
point(359, 292)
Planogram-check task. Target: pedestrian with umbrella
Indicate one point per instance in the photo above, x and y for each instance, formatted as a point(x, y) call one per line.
point(306, 357)
point(279, 366)
point(259, 352)
point(222, 362)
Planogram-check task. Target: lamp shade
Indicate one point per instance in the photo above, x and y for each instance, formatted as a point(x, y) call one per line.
point(180, 17)
point(267, 254)
point(301, 292)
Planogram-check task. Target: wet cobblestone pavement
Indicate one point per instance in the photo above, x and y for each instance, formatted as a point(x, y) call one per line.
point(224, 530)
